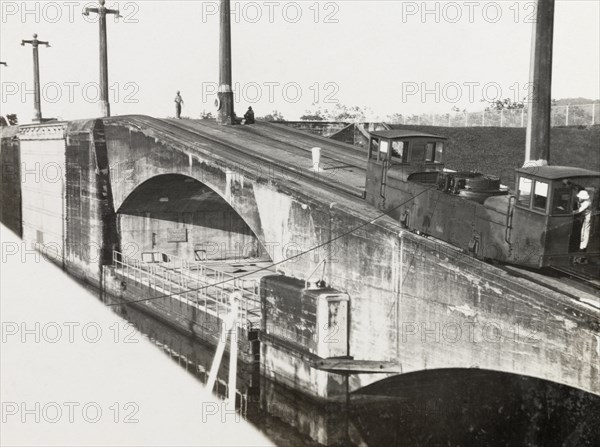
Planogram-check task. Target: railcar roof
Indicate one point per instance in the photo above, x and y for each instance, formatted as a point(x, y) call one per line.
point(557, 172)
point(403, 134)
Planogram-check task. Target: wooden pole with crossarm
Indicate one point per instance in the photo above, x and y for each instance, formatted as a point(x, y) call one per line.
point(35, 43)
point(102, 11)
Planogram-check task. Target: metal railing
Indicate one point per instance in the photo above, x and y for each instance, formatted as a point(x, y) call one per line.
point(563, 115)
point(192, 283)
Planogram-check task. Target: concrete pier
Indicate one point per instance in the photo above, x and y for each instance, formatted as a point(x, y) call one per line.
point(412, 303)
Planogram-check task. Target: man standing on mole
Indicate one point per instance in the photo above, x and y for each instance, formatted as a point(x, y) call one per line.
point(178, 102)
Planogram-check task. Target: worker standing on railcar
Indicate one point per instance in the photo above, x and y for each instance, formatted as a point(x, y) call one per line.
point(585, 210)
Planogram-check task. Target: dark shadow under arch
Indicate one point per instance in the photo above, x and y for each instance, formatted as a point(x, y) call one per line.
point(168, 206)
point(474, 407)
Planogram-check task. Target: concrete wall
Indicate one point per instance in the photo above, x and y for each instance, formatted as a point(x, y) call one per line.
point(43, 186)
point(455, 311)
point(411, 300)
point(400, 289)
point(91, 220)
point(152, 233)
point(10, 179)
point(65, 193)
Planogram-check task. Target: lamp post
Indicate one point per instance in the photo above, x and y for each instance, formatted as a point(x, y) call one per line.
point(35, 43)
point(102, 11)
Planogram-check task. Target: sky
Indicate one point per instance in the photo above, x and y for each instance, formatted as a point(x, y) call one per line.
point(388, 56)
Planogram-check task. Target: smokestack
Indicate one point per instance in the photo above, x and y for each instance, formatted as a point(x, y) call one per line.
point(225, 94)
point(537, 149)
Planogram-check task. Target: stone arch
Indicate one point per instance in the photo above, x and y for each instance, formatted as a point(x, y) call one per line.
point(379, 384)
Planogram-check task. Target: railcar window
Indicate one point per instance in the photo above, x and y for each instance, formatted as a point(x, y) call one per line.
point(384, 147)
point(400, 151)
point(561, 200)
point(540, 196)
point(429, 151)
point(439, 152)
point(524, 197)
point(374, 148)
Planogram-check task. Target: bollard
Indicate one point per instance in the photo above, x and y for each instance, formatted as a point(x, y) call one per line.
point(316, 158)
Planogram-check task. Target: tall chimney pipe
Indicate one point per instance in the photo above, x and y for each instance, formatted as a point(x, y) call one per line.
point(537, 146)
point(225, 94)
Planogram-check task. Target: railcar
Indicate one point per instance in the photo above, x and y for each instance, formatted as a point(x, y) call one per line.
point(536, 225)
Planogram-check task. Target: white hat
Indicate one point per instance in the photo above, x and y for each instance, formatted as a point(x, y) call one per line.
point(583, 195)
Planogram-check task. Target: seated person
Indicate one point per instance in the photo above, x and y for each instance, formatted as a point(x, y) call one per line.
point(249, 116)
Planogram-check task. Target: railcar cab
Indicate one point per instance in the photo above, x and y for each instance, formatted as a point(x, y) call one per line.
point(544, 212)
point(396, 155)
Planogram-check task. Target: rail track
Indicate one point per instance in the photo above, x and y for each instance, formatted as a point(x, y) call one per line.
point(576, 286)
point(588, 282)
point(337, 173)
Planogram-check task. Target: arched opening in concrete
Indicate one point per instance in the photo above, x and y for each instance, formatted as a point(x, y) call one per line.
point(458, 406)
point(180, 216)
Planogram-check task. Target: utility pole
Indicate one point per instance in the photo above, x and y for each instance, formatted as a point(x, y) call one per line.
point(36, 76)
point(102, 11)
point(225, 94)
point(537, 148)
